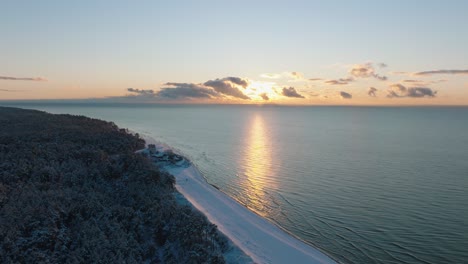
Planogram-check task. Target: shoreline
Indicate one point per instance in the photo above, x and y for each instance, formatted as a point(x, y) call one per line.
point(257, 237)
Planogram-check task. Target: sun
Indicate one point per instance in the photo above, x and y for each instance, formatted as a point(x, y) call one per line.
point(261, 91)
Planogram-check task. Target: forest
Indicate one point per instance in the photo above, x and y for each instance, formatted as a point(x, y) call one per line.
point(73, 190)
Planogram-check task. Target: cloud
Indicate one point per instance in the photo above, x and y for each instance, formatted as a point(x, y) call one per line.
point(372, 91)
point(296, 75)
point(236, 80)
point(346, 95)
point(229, 86)
point(423, 83)
point(362, 71)
point(141, 92)
point(186, 90)
point(265, 96)
point(382, 65)
point(212, 89)
point(291, 92)
point(365, 71)
point(398, 87)
point(427, 73)
point(393, 94)
point(315, 79)
point(399, 91)
point(35, 79)
point(421, 92)
point(341, 81)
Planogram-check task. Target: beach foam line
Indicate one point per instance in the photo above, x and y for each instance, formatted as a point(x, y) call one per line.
point(263, 241)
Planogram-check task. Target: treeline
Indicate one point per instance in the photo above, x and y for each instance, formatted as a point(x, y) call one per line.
point(72, 190)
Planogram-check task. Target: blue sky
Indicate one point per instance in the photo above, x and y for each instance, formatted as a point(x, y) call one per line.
point(101, 48)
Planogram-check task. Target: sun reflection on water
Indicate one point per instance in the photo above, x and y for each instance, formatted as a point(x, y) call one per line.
point(258, 160)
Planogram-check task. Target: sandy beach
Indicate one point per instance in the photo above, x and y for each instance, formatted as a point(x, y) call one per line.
point(263, 241)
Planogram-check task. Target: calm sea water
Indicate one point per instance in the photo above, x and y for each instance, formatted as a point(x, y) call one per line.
point(366, 185)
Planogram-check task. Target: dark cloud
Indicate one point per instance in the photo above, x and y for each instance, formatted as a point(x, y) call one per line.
point(399, 91)
point(236, 80)
point(265, 96)
point(35, 79)
point(141, 92)
point(425, 73)
point(315, 79)
point(357, 71)
point(372, 91)
point(421, 92)
point(346, 95)
point(218, 88)
point(424, 83)
point(229, 86)
point(365, 71)
point(291, 92)
point(186, 90)
point(341, 81)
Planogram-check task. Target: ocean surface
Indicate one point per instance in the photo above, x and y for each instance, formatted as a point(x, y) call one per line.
point(364, 184)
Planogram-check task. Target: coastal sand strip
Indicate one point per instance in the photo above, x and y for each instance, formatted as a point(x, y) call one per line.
point(261, 240)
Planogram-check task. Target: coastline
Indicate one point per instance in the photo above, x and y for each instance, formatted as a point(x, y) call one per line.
point(257, 237)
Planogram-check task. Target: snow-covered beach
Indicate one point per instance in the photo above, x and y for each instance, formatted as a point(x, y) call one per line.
point(263, 241)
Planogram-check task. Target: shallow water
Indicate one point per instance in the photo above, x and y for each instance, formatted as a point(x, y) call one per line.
point(367, 185)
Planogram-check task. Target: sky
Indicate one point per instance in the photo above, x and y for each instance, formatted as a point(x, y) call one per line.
point(245, 52)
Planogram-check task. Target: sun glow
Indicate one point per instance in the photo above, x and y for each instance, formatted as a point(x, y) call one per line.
point(261, 91)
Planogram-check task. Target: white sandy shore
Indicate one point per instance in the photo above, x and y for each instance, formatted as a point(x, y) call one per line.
point(261, 240)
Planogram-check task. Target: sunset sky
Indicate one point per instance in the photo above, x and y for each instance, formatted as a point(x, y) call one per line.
point(285, 52)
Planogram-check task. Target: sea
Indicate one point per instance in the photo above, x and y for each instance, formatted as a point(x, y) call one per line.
point(363, 184)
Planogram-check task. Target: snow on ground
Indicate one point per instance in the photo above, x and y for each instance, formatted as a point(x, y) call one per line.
point(261, 240)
